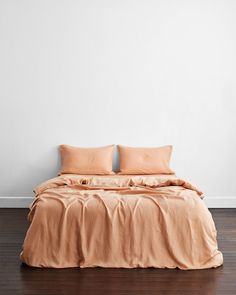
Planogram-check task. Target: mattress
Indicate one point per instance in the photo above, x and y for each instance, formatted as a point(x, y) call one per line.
point(120, 221)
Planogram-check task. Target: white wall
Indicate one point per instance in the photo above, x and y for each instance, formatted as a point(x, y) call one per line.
point(139, 73)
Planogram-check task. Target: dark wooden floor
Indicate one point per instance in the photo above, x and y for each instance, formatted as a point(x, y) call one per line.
point(16, 278)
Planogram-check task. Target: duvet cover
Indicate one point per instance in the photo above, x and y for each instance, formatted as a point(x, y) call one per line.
point(156, 221)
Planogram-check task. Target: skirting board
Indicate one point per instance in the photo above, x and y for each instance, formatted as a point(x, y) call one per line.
point(220, 201)
point(211, 202)
point(15, 202)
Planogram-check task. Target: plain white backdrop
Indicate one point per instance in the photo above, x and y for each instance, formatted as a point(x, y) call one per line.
point(138, 73)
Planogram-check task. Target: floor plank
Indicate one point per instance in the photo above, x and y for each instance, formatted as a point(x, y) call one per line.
point(16, 278)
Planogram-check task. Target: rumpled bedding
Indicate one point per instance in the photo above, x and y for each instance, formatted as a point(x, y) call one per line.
point(130, 221)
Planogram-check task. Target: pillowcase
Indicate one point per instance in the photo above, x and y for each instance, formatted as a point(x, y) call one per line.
point(145, 160)
point(77, 160)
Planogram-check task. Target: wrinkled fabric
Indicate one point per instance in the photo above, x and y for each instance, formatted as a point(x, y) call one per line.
point(120, 221)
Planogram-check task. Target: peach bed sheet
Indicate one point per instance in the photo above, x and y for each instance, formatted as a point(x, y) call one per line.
point(120, 221)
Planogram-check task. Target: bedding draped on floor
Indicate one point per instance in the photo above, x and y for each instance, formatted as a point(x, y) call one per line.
point(120, 221)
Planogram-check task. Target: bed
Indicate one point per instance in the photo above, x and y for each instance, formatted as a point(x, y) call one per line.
point(122, 221)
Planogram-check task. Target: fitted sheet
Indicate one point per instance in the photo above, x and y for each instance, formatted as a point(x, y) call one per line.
point(120, 221)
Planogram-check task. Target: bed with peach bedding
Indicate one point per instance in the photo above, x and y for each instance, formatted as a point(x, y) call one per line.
point(128, 221)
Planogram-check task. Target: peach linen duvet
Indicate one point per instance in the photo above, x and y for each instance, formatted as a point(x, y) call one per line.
point(120, 221)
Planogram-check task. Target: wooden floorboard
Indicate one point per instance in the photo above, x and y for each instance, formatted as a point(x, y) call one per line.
point(16, 278)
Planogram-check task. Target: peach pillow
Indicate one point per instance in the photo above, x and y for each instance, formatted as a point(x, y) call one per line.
point(77, 160)
point(145, 160)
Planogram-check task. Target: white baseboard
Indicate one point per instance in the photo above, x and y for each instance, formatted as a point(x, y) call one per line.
point(220, 201)
point(15, 202)
point(211, 202)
